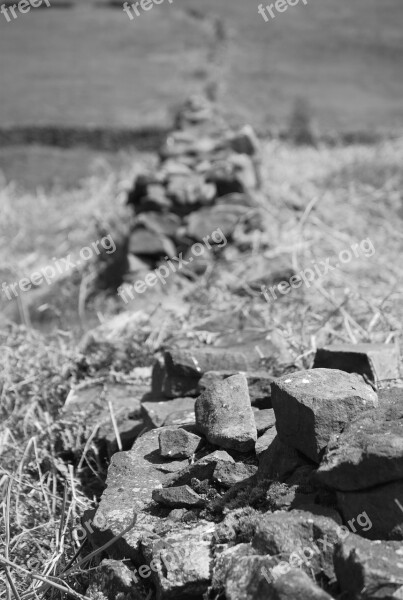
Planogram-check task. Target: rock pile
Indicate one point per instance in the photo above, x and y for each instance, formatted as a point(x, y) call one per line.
point(244, 485)
point(215, 518)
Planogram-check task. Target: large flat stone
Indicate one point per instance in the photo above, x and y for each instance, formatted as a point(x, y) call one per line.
point(169, 412)
point(311, 406)
point(379, 363)
point(224, 415)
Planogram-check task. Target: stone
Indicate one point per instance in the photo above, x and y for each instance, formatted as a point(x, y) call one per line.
point(259, 385)
point(377, 363)
point(224, 415)
point(300, 539)
point(201, 469)
point(228, 474)
point(89, 405)
point(383, 505)
point(113, 579)
point(245, 141)
point(165, 224)
point(146, 243)
point(169, 412)
point(223, 174)
point(202, 223)
point(368, 452)
point(311, 406)
point(184, 367)
point(265, 419)
point(182, 561)
point(132, 478)
point(178, 443)
point(367, 569)
point(178, 497)
point(189, 193)
point(279, 461)
point(265, 441)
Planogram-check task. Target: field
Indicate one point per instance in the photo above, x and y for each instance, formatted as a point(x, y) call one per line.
point(89, 64)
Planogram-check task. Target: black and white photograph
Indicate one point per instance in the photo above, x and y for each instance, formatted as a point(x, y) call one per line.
point(201, 300)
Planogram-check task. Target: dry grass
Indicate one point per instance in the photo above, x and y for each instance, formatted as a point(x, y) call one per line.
point(316, 202)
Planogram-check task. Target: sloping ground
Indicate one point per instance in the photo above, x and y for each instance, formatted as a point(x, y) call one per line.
point(91, 65)
point(317, 208)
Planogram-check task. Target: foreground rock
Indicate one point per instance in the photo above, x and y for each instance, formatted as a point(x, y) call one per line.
point(178, 497)
point(259, 385)
point(178, 443)
point(369, 570)
point(377, 363)
point(182, 561)
point(368, 453)
point(383, 504)
point(224, 415)
point(311, 406)
point(169, 412)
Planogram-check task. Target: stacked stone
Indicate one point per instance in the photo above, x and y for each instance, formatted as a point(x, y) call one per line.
point(327, 450)
point(204, 182)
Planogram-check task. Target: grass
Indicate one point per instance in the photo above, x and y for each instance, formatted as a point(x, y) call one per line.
point(315, 203)
point(91, 65)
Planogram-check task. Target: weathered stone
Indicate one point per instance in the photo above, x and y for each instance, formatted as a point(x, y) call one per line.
point(376, 362)
point(202, 223)
point(369, 570)
point(190, 192)
point(224, 415)
point(265, 419)
point(147, 244)
point(259, 385)
point(228, 474)
point(311, 406)
point(279, 461)
point(178, 443)
point(265, 441)
point(181, 561)
point(132, 477)
point(369, 452)
point(90, 405)
point(112, 579)
point(224, 176)
point(300, 539)
point(202, 469)
point(185, 367)
point(178, 497)
point(158, 413)
point(245, 141)
point(383, 507)
point(161, 224)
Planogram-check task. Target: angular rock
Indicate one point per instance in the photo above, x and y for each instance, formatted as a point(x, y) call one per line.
point(265, 441)
point(178, 443)
point(228, 474)
point(311, 406)
point(169, 412)
point(178, 497)
point(369, 452)
point(189, 193)
point(185, 367)
point(113, 579)
point(181, 561)
point(201, 470)
point(146, 243)
point(299, 538)
point(369, 570)
point(259, 385)
point(224, 415)
point(201, 224)
point(383, 506)
point(376, 362)
point(245, 141)
point(265, 419)
point(132, 478)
